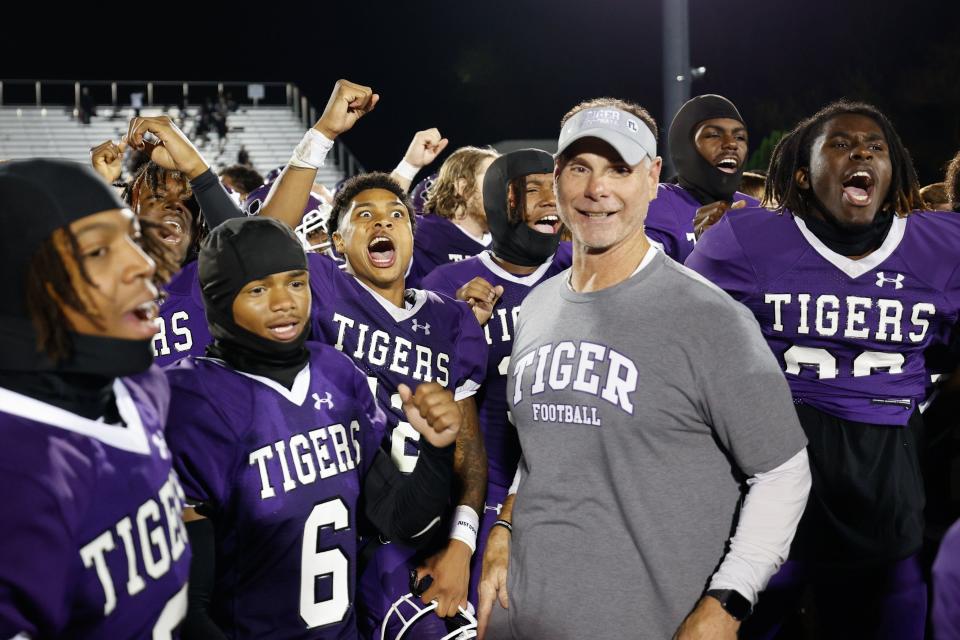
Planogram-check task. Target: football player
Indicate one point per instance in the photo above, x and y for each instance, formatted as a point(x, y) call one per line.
point(708, 146)
point(277, 442)
point(522, 211)
point(93, 544)
point(849, 288)
point(396, 335)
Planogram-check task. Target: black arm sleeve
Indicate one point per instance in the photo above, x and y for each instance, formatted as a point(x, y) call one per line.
point(198, 624)
point(214, 201)
point(406, 508)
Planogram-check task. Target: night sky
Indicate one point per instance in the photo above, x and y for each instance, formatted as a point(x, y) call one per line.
point(488, 71)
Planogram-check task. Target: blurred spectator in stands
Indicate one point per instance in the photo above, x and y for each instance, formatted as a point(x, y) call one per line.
point(136, 101)
point(243, 157)
point(753, 183)
point(88, 107)
point(241, 180)
point(935, 197)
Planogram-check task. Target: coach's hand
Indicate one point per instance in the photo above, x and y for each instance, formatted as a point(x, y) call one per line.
point(481, 296)
point(708, 621)
point(348, 103)
point(432, 411)
point(107, 160)
point(709, 214)
point(493, 578)
point(450, 570)
point(169, 148)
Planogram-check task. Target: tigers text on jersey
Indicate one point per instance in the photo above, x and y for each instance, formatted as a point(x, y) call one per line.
point(279, 473)
point(669, 221)
point(434, 339)
point(850, 334)
point(93, 543)
point(182, 323)
point(499, 435)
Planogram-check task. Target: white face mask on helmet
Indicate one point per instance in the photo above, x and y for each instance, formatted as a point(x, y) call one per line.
point(314, 220)
point(408, 610)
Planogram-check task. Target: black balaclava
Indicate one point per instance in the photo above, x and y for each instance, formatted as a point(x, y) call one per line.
point(847, 240)
point(236, 253)
point(704, 181)
point(515, 242)
point(37, 197)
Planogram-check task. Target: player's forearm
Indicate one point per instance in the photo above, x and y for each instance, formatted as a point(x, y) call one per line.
point(767, 524)
point(215, 204)
point(470, 459)
point(289, 194)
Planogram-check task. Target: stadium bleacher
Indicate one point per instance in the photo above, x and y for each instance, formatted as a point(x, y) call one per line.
point(269, 134)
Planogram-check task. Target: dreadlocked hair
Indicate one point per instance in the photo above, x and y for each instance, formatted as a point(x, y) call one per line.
point(792, 153)
point(49, 286)
point(155, 177)
point(517, 212)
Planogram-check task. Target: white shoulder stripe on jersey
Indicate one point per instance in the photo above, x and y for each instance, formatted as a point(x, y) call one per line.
point(131, 438)
point(530, 279)
point(856, 268)
point(467, 389)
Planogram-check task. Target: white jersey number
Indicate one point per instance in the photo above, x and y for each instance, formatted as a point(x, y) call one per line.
point(865, 364)
point(330, 562)
point(405, 462)
point(172, 615)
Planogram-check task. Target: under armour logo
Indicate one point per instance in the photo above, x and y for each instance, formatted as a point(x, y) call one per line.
point(897, 282)
point(417, 326)
point(161, 445)
point(496, 508)
point(327, 401)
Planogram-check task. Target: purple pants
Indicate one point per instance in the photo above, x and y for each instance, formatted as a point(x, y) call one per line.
point(875, 603)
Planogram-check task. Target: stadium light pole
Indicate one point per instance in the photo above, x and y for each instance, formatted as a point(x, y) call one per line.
point(676, 70)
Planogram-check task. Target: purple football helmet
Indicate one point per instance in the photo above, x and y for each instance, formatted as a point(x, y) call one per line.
point(419, 194)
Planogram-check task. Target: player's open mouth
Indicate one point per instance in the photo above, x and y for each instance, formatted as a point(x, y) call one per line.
point(171, 231)
point(284, 330)
point(548, 224)
point(728, 164)
point(141, 319)
point(381, 252)
point(858, 188)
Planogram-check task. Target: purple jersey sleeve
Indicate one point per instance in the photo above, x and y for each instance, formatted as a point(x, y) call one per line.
point(720, 259)
point(470, 359)
point(182, 324)
point(202, 440)
point(439, 281)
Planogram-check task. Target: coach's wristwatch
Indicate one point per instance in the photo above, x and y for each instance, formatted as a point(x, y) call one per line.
point(732, 602)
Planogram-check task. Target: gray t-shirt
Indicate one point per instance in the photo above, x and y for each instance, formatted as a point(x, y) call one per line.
point(641, 410)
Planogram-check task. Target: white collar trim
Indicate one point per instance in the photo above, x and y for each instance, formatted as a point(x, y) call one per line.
point(530, 279)
point(485, 239)
point(132, 437)
point(856, 268)
point(297, 395)
point(647, 259)
point(398, 314)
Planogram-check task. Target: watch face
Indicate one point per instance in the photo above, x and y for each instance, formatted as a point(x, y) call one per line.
point(733, 603)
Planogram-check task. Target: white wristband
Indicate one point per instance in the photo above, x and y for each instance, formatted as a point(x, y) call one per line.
point(466, 524)
point(406, 170)
point(312, 150)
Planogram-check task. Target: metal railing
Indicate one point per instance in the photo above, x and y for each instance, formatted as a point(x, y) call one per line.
point(154, 93)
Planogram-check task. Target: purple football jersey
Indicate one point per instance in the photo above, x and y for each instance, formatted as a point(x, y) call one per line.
point(439, 241)
point(279, 473)
point(435, 339)
point(499, 434)
point(669, 220)
point(850, 334)
point(93, 542)
point(182, 324)
point(946, 586)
